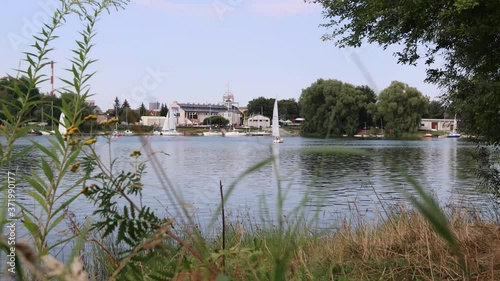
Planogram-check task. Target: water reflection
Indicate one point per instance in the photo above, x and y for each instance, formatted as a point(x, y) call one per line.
point(335, 182)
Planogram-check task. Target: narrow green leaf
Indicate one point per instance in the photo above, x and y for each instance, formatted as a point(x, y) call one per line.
point(31, 226)
point(46, 151)
point(39, 199)
point(47, 170)
point(56, 222)
point(37, 46)
point(35, 181)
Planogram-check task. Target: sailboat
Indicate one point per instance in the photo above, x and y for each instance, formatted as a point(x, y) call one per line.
point(169, 127)
point(453, 134)
point(276, 124)
point(116, 133)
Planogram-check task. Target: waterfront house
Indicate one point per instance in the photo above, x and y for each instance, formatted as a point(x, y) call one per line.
point(259, 121)
point(436, 125)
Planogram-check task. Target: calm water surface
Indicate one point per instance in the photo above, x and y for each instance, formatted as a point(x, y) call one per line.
point(335, 182)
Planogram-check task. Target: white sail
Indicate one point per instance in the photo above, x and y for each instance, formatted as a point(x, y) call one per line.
point(166, 123)
point(276, 125)
point(172, 125)
point(62, 124)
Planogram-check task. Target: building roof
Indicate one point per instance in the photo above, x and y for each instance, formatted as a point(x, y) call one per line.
point(258, 117)
point(436, 120)
point(202, 107)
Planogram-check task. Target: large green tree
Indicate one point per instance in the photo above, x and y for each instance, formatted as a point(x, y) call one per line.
point(288, 108)
point(436, 110)
point(463, 33)
point(116, 107)
point(331, 107)
point(401, 108)
point(142, 110)
point(261, 105)
point(163, 110)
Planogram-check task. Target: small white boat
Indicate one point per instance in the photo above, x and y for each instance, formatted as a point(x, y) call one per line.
point(276, 126)
point(453, 134)
point(211, 133)
point(234, 133)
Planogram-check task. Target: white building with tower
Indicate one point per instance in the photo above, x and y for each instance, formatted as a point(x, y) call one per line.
point(193, 114)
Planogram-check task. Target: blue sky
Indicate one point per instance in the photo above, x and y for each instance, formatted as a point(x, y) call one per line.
point(188, 51)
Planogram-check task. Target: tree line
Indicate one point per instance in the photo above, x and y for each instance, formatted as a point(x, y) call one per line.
point(330, 107)
point(46, 108)
point(334, 108)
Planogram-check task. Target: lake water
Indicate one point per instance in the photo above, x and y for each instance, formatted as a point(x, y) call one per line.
point(337, 183)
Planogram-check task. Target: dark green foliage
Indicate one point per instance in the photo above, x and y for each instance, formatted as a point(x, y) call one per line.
point(261, 105)
point(115, 200)
point(464, 34)
point(116, 107)
point(477, 104)
point(143, 111)
point(216, 121)
point(401, 108)
point(12, 99)
point(288, 108)
point(334, 108)
point(488, 169)
point(163, 110)
point(436, 110)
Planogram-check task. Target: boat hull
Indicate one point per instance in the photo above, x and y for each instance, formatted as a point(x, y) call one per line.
point(234, 134)
point(212, 134)
point(170, 134)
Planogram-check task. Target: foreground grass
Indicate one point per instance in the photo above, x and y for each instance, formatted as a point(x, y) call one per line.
point(401, 247)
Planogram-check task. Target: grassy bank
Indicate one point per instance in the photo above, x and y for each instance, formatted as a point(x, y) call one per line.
point(401, 247)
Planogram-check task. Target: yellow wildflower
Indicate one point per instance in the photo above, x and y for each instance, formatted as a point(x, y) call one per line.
point(71, 130)
point(112, 121)
point(90, 141)
point(84, 189)
point(90, 117)
point(135, 153)
point(103, 122)
point(74, 167)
